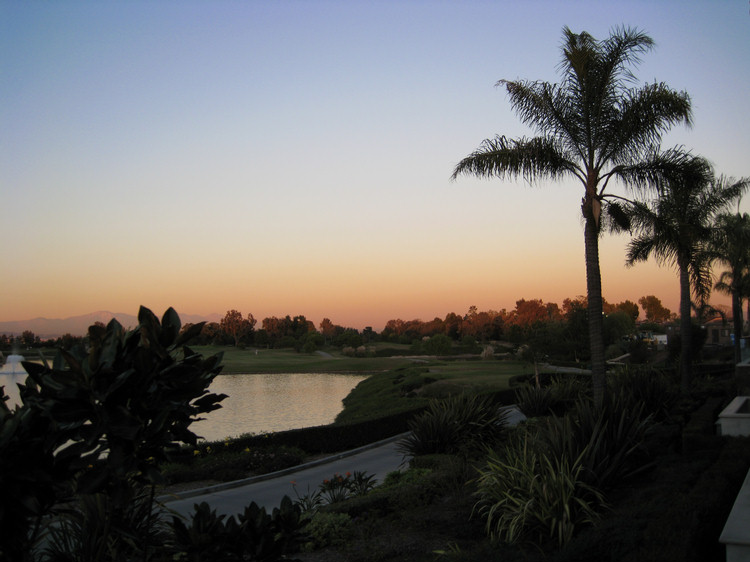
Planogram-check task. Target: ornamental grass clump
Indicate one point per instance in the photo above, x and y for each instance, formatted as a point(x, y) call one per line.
point(647, 387)
point(526, 494)
point(609, 440)
point(534, 401)
point(460, 424)
point(549, 480)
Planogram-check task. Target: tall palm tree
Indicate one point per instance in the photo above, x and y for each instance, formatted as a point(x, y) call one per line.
point(594, 126)
point(677, 228)
point(731, 248)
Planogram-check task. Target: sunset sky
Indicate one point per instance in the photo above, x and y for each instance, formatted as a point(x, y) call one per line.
point(294, 157)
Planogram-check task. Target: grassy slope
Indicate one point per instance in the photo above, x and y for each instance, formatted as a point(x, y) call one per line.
point(408, 388)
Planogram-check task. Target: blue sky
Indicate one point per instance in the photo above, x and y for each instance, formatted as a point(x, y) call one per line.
point(294, 157)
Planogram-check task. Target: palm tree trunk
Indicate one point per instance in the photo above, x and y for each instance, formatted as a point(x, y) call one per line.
point(595, 310)
point(737, 321)
point(686, 350)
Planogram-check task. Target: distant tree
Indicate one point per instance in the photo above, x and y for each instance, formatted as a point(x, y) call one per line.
point(234, 325)
point(68, 340)
point(368, 334)
point(616, 325)
point(348, 338)
point(577, 327)
point(439, 344)
point(731, 248)
point(28, 338)
point(630, 308)
point(274, 329)
point(529, 312)
point(553, 311)
point(653, 309)
point(261, 338)
point(327, 328)
point(434, 326)
point(452, 324)
point(300, 326)
point(482, 325)
point(212, 334)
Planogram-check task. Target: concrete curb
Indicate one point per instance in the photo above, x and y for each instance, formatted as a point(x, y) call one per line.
point(187, 494)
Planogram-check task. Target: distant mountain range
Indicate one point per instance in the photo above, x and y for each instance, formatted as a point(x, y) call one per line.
point(79, 325)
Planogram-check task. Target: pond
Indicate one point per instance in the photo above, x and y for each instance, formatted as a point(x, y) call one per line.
point(258, 403)
point(265, 403)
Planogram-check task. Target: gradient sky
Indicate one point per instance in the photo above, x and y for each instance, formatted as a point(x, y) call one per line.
point(295, 157)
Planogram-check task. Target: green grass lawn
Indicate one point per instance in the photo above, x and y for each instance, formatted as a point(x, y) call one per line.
point(240, 361)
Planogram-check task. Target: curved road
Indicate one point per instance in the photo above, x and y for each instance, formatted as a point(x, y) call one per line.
point(231, 498)
point(267, 491)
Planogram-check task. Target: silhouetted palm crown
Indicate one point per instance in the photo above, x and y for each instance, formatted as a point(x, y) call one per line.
point(593, 125)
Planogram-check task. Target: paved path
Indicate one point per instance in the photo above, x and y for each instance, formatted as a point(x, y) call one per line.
point(267, 491)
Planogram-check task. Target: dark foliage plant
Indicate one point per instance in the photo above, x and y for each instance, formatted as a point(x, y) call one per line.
point(100, 421)
point(255, 535)
point(87, 532)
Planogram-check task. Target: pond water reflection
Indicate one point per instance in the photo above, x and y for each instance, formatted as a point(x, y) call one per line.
point(259, 403)
point(263, 403)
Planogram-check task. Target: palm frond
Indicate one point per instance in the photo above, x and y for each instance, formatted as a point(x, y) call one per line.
point(662, 168)
point(645, 114)
point(724, 283)
point(701, 280)
point(530, 159)
point(618, 217)
point(639, 249)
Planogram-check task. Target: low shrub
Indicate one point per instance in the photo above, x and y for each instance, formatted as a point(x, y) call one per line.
point(327, 529)
point(218, 463)
point(400, 491)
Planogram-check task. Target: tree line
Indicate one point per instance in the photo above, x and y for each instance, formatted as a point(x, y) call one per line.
point(473, 327)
